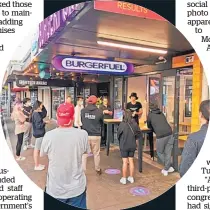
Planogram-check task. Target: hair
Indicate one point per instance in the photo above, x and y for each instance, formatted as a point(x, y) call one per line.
point(37, 105)
point(127, 116)
point(153, 106)
point(25, 100)
point(205, 110)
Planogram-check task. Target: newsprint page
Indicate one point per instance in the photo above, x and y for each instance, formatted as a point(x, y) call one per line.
point(104, 105)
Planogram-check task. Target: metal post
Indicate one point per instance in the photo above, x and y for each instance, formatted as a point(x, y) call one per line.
point(176, 122)
point(9, 100)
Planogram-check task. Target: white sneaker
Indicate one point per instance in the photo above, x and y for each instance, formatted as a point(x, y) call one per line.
point(39, 168)
point(131, 179)
point(123, 180)
point(25, 147)
point(171, 170)
point(164, 172)
point(31, 146)
point(20, 158)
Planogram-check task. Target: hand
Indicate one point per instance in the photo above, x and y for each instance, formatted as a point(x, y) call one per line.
point(47, 121)
point(106, 112)
point(134, 113)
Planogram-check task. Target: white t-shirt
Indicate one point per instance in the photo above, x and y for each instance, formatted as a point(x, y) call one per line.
point(65, 147)
point(77, 116)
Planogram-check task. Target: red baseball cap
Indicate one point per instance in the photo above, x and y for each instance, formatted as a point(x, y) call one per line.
point(65, 114)
point(92, 99)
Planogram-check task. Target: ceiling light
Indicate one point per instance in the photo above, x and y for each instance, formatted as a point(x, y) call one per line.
point(130, 47)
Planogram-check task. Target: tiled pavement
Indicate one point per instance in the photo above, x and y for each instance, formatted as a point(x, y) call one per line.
point(105, 192)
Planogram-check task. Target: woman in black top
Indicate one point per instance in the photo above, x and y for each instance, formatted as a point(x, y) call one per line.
point(38, 125)
point(127, 134)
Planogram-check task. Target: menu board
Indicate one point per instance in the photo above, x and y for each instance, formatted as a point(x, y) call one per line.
point(188, 98)
point(154, 90)
point(34, 96)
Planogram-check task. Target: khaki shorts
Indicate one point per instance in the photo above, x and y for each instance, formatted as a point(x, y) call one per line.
point(38, 143)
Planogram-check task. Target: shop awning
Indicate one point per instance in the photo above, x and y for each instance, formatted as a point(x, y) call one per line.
point(19, 89)
point(81, 35)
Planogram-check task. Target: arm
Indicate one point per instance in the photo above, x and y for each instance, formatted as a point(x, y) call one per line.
point(189, 155)
point(44, 112)
point(45, 146)
point(149, 124)
point(140, 112)
point(119, 131)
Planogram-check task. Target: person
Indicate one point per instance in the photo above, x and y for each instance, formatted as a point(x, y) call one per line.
point(27, 111)
point(107, 111)
point(92, 120)
point(157, 122)
point(128, 132)
point(195, 140)
point(38, 125)
point(64, 147)
point(135, 107)
point(78, 108)
point(19, 118)
point(69, 99)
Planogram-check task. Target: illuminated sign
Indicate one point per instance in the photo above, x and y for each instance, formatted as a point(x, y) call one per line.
point(126, 8)
point(94, 66)
point(53, 24)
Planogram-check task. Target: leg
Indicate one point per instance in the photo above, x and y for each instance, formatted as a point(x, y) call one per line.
point(160, 144)
point(26, 137)
point(131, 166)
point(124, 167)
point(167, 152)
point(37, 148)
point(19, 144)
point(109, 136)
point(79, 201)
point(96, 142)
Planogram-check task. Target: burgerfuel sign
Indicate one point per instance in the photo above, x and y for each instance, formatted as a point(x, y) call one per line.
point(92, 66)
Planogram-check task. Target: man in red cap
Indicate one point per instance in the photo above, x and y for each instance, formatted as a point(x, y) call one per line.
point(65, 147)
point(92, 121)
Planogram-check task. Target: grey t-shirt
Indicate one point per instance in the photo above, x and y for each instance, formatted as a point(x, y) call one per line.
point(65, 147)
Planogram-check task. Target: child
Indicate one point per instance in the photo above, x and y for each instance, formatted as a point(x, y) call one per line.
point(127, 134)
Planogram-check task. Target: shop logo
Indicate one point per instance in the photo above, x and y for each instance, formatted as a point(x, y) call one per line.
point(94, 66)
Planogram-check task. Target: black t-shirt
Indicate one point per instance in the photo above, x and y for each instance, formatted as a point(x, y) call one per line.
point(133, 108)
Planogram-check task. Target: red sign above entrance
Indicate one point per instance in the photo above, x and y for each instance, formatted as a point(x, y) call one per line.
point(126, 8)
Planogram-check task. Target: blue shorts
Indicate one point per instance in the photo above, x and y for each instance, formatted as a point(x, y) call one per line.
point(79, 201)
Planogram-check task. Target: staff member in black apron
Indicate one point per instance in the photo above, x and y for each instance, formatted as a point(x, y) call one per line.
point(108, 114)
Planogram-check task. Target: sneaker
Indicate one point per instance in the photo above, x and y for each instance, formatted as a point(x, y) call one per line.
point(39, 168)
point(25, 147)
point(20, 158)
point(31, 146)
point(99, 172)
point(171, 170)
point(123, 180)
point(131, 179)
point(164, 172)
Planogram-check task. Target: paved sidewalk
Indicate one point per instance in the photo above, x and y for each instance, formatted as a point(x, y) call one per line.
point(105, 192)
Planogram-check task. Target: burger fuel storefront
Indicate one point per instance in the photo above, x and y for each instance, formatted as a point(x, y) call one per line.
point(123, 44)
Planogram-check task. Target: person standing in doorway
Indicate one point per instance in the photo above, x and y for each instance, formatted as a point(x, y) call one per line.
point(64, 146)
point(107, 111)
point(128, 132)
point(92, 121)
point(195, 140)
point(27, 110)
point(157, 122)
point(19, 118)
point(135, 107)
point(38, 125)
point(78, 108)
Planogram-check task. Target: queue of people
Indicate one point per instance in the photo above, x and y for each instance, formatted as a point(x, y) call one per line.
point(81, 130)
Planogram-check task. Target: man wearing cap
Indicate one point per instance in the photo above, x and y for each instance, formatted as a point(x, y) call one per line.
point(92, 121)
point(65, 146)
point(135, 107)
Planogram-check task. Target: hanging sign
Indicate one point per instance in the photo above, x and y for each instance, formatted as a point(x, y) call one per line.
point(89, 65)
point(22, 82)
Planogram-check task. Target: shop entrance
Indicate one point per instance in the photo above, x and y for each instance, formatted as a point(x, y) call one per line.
point(58, 97)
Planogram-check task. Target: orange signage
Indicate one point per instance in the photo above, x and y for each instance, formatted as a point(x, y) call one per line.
point(126, 8)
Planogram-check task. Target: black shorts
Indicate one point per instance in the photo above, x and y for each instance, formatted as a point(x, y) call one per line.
point(127, 154)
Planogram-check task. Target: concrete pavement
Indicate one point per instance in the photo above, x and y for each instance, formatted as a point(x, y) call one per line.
point(105, 192)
